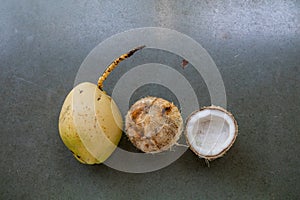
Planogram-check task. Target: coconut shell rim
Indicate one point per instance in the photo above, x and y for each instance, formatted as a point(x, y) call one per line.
point(223, 152)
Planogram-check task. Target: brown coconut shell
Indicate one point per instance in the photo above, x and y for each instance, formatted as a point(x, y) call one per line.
point(153, 124)
point(222, 153)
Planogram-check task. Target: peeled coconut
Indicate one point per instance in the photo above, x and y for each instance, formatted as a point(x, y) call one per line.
point(153, 124)
point(210, 132)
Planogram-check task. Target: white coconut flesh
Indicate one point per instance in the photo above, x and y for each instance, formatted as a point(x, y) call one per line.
point(211, 132)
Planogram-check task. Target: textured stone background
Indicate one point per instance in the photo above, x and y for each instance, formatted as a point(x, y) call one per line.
point(255, 44)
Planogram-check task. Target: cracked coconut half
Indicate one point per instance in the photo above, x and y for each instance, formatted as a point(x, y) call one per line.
point(153, 124)
point(210, 132)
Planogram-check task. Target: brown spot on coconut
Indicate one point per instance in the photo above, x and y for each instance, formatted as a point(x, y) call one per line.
point(210, 132)
point(153, 124)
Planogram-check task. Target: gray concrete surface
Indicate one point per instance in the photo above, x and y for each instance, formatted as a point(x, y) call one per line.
point(255, 44)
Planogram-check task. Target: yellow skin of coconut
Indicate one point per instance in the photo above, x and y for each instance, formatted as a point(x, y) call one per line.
point(90, 123)
point(92, 133)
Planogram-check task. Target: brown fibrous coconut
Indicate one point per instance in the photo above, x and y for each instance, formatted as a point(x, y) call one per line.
point(153, 124)
point(210, 132)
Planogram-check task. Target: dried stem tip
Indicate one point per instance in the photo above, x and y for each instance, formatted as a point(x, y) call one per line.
point(114, 64)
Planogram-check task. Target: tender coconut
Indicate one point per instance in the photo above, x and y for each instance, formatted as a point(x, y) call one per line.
point(90, 122)
point(211, 132)
point(153, 124)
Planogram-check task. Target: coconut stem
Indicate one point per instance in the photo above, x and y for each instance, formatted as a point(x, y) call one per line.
point(114, 64)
